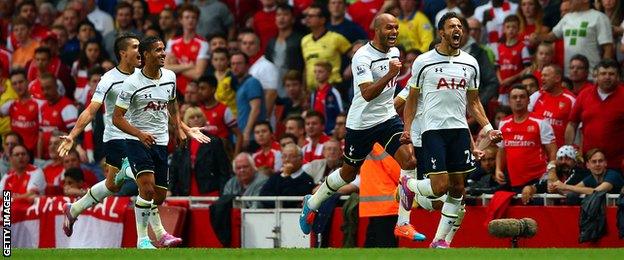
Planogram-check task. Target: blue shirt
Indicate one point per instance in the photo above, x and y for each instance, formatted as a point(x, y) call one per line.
point(349, 30)
point(249, 88)
point(611, 176)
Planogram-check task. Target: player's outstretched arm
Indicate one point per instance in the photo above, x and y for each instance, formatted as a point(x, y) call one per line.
point(83, 120)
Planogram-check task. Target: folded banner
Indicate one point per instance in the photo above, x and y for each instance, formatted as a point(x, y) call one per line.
point(40, 224)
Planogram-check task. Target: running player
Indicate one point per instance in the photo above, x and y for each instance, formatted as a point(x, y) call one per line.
point(127, 52)
point(448, 80)
point(372, 118)
point(144, 109)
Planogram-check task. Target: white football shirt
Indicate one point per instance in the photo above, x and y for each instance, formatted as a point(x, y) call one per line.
point(145, 100)
point(369, 65)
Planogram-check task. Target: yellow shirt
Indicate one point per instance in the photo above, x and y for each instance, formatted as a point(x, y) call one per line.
point(225, 94)
point(7, 95)
point(329, 47)
point(415, 33)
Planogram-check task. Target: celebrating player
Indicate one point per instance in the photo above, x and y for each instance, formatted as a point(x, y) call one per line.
point(372, 118)
point(127, 52)
point(448, 80)
point(148, 101)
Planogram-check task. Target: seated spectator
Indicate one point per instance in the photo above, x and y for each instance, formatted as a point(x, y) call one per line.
point(482, 179)
point(315, 137)
point(268, 156)
point(320, 168)
point(601, 178)
point(247, 181)
point(291, 181)
point(198, 169)
point(24, 180)
point(326, 99)
point(73, 183)
point(569, 169)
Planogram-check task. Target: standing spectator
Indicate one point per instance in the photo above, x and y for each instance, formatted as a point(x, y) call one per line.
point(285, 50)
point(363, 12)
point(579, 73)
point(9, 141)
point(295, 125)
point(553, 102)
point(57, 113)
point(321, 44)
point(249, 97)
point(216, 19)
point(600, 111)
point(247, 181)
point(511, 57)
point(584, 31)
point(24, 180)
point(492, 15)
point(22, 29)
point(531, 23)
point(340, 24)
point(296, 100)
point(187, 55)
point(202, 169)
point(319, 169)
point(315, 136)
point(24, 112)
point(102, 20)
point(292, 180)
point(264, 23)
point(569, 168)
point(268, 157)
point(528, 148)
point(168, 24)
point(220, 60)
point(123, 25)
point(601, 178)
point(261, 68)
point(326, 99)
point(415, 30)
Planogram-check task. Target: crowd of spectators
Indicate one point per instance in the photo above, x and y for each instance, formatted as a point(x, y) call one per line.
point(270, 83)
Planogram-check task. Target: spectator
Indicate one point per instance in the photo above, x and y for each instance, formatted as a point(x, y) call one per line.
point(73, 183)
point(569, 169)
point(45, 62)
point(553, 102)
point(315, 136)
point(600, 111)
point(187, 55)
point(9, 141)
point(593, 34)
point(319, 169)
point(295, 125)
point(21, 28)
point(124, 25)
point(482, 180)
point(264, 23)
point(531, 23)
point(167, 24)
point(509, 64)
point(363, 12)
point(493, 14)
point(340, 24)
point(579, 73)
point(200, 169)
point(601, 178)
point(216, 19)
point(284, 50)
point(249, 96)
point(296, 100)
point(261, 68)
point(24, 180)
point(268, 157)
point(225, 93)
point(246, 180)
point(542, 58)
point(415, 30)
point(321, 44)
point(291, 181)
point(91, 56)
point(340, 129)
point(24, 112)
point(102, 20)
point(530, 82)
point(528, 144)
point(57, 113)
point(326, 99)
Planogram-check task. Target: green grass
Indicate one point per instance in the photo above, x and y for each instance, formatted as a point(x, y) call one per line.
point(318, 254)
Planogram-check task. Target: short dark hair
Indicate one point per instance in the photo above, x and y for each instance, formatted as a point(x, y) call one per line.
point(208, 78)
point(314, 113)
point(445, 17)
point(74, 173)
point(259, 123)
point(608, 63)
point(122, 42)
point(146, 44)
point(582, 59)
point(95, 70)
point(17, 72)
point(520, 87)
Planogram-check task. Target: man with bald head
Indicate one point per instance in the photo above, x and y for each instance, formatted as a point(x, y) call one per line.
point(372, 118)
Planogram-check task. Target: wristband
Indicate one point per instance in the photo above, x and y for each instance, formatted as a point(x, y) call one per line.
point(487, 128)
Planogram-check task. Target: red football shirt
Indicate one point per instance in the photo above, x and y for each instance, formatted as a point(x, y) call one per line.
point(363, 12)
point(187, 53)
point(555, 110)
point(510, 61)
point(24, 116)
point(526, 159)
point(219, 119)
point(603, 122)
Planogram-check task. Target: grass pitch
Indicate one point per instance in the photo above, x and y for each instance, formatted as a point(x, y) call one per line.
point(318, 254)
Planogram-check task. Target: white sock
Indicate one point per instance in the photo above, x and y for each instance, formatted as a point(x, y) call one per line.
point(332, 183)
point(142, 212)
point(154, 221)
point(449, 215)
point(93, 196)
point(460, 217)
point(421, 187)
